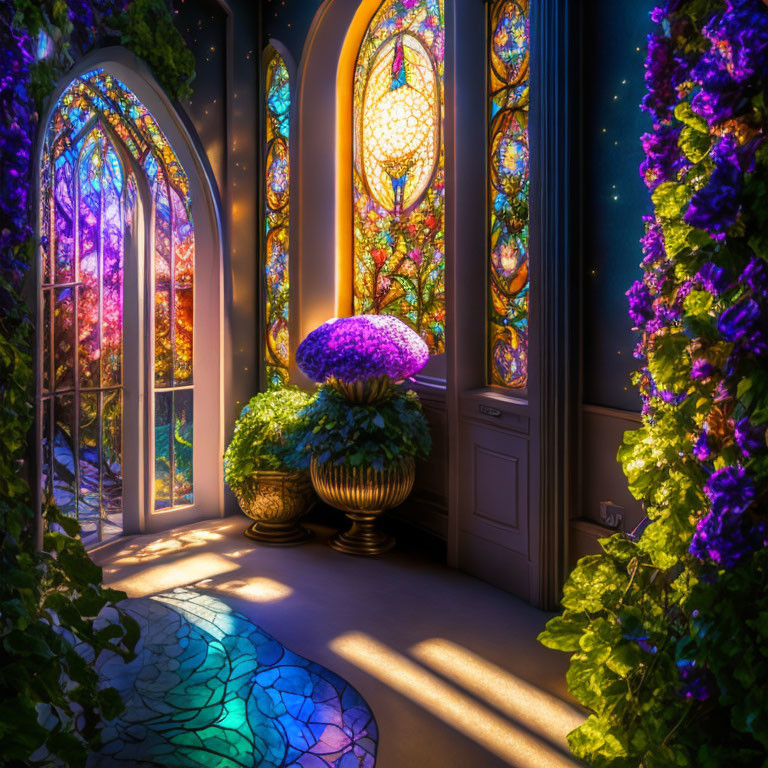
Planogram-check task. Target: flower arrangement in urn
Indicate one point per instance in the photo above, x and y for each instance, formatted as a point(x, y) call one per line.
point(263, 469)
point(365, 430)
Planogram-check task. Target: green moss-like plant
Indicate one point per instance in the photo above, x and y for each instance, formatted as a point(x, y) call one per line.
point(265, 435)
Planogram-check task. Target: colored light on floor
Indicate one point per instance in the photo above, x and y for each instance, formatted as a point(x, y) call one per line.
point(209, 688)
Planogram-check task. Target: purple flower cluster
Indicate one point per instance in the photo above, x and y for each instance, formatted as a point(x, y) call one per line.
point(744, 322)
point(663, 158)
point(750, 438)
point(714, 208)
point(652, 243)
point(361, 347)
point(17, 127)
point(661, 68)
point(731, 72)
point(728, 531)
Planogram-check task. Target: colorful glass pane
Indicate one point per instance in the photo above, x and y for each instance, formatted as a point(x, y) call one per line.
point(276, 220)
point(399, 168)
point(509, 46)
point(88, 201)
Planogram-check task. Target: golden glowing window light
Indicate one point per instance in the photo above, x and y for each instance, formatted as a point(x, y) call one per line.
point(400, 123)
point(513, 744)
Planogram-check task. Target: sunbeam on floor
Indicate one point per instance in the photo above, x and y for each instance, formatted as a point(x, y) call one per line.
point(449, 665)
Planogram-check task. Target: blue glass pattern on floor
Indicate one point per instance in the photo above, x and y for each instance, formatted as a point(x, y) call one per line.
point(209, 688)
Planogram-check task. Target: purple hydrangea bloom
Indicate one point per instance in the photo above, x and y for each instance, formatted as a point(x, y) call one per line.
point(728, 531)
point(640, 303)
point(361, 347)
point(750, 437)
point(714, 208)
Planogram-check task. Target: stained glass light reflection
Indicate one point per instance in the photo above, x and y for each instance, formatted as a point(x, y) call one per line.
point(276, 219)
point(399, 175)
point(98, 138)
point(508, 191)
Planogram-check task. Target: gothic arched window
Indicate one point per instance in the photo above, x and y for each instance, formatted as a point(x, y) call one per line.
point(508, 173)
point(399, 167)
point(276, 219)
point(115, 219)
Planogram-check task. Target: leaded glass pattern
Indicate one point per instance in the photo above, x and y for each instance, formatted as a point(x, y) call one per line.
point(508, 174)
point(209, 688)
point(98, 137)
point(399, 168)
point(276, 220)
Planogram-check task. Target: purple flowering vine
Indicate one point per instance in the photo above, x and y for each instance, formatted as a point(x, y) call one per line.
point(729, 531)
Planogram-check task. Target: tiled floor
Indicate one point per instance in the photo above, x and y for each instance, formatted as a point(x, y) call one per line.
point(449, 665)
point(209, 689)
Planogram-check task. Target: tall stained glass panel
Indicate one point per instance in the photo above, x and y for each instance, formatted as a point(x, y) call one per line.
point(101, 148)
point(276, 219)
point(399, 168)
point(508, 175)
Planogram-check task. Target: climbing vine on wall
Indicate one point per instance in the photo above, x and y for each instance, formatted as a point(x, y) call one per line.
point(668, 628)
point(54, 613)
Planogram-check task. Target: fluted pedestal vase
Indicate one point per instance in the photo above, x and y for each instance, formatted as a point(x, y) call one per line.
point(364, 494)
point(276, 502)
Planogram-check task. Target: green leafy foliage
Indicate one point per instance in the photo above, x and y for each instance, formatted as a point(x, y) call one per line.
point(378, 435)
point(265, 434)
point(668, 645)
point(143, 26)
point(55, 615)
point(729, 635)
point(146, 27)
point(56, 618)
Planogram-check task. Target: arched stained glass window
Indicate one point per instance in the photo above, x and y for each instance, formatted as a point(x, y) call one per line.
point(276, 220)
point(399, 169)
point(104, 154)
point(508, 175)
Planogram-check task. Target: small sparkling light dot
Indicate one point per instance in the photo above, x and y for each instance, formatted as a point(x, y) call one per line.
point(615, 197)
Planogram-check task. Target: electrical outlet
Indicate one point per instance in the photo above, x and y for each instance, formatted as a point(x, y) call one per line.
point(612, 514)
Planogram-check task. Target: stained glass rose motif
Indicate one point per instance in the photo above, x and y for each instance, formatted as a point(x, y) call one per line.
point(363, 347)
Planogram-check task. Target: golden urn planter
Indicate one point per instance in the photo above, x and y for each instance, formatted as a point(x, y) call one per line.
point(364, 494)
point(276, 501)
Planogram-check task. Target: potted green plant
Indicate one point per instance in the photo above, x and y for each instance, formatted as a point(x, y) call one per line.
point(263, 469)
point(364, 429)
